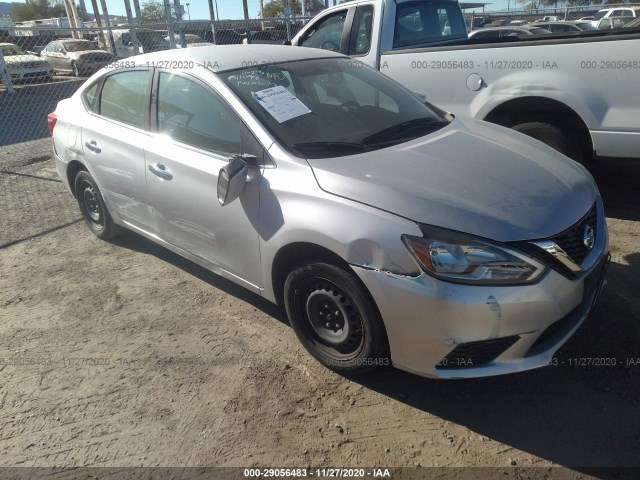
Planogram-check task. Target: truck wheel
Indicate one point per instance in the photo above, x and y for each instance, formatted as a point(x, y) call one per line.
point(335, 319)
point(93, 209)
point(552, 136)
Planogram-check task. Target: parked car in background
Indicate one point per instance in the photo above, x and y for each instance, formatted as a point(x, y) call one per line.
point(614, 13)
point(541, 85)
point(190, 38)
point(496, 32)
point(383, 225)
point(276, 37)
point(78, 57)
point(568, 26)
point(614, 22)
point(517, 23)
point(23, 65)
point(227, 36)
point(149, 40)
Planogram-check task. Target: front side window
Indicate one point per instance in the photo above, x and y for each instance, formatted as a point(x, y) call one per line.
point(363, 22)
point(327, 34)
point(329, 107)
point(192, 114)
point(124, 97)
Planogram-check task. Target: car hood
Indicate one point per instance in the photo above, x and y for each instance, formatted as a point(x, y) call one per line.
point(20, 59)
point(470, 176)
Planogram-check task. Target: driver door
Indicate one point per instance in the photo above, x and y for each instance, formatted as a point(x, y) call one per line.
point(196, 134)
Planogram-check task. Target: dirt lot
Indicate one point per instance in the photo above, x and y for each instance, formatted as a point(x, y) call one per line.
point(124, 354)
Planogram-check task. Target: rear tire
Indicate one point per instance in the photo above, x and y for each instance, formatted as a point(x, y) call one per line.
point(335, 319)
point(552, 136)
point(93, 209)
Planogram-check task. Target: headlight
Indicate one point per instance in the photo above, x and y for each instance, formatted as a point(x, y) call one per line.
point(462, 258)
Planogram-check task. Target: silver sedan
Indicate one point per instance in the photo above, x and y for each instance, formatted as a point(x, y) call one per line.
point(391, 231)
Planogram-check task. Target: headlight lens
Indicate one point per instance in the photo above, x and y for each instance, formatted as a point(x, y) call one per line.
point(461, 258)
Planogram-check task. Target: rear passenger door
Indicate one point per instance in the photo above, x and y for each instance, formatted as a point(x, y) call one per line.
point(113, 134)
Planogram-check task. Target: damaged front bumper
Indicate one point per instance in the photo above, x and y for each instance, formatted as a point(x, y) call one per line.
point(447, 330)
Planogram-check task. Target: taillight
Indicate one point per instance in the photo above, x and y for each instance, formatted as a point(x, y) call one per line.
point(52, 118)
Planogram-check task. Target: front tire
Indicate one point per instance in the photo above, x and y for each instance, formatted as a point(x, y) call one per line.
point(93, 209)
point(335, 319)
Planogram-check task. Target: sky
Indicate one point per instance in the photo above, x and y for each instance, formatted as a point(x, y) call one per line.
point(232, 9)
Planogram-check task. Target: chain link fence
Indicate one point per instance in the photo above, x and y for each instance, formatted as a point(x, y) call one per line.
point(41, 66)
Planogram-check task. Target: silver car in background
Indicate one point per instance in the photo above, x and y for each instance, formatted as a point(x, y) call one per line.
point(77, 57)
point(389, 230)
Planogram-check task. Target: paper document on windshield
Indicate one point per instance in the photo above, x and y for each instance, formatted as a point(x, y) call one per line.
point(280, 103)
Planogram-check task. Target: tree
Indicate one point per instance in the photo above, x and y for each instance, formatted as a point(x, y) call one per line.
point(153, 12)
point(37, 9)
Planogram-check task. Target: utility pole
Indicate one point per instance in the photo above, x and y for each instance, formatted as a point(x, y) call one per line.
point(169, 19)
point(213, 21)
point(245, 6)
point(96, 14)
point(134, 37)
point(179, 12)
point(105, 12)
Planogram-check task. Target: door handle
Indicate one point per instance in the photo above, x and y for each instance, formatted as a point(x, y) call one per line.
point(93, 146)
point(161, 171)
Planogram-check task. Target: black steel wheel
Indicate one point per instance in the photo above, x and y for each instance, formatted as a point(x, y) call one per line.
point(93, 209)
point(335, 318)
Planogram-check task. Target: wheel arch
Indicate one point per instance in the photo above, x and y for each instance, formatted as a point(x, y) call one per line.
point(292, 254)
point(73, 168)
point(542, 109)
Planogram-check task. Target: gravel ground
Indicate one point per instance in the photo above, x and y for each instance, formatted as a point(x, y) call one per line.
point(123, 354)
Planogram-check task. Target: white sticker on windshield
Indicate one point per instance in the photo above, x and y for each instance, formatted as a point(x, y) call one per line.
point(280, 103)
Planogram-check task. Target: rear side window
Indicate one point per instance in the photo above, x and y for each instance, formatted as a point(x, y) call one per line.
point(419, 22)
point(327, 34)
point(90, 97)
point(124, 97)
point(191, 114)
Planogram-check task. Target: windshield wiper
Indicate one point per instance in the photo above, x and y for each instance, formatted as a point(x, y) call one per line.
point(404, 130)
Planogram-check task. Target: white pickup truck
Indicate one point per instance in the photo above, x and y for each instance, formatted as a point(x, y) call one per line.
point(578, 93)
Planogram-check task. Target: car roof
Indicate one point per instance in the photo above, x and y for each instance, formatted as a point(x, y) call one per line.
point(219, 58)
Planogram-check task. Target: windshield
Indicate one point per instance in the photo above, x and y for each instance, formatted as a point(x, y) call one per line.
point(79, 46)
point(600, 14)
point(11, 50)
point(332, 107)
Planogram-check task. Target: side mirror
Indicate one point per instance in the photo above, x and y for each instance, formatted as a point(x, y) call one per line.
point(231, 180)
point(420, 96)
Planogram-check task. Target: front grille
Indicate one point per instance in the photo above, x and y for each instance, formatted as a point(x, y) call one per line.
point(572, 240)
point(473, 354)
